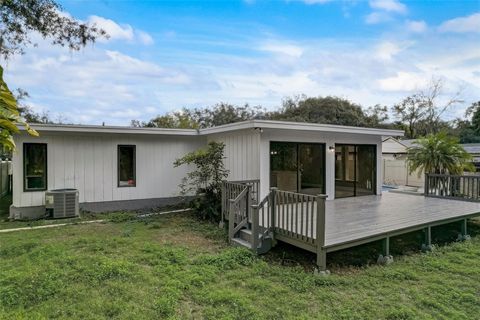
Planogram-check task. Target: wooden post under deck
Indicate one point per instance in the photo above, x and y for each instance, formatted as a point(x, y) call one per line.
point(320, 236)
point(273, 208)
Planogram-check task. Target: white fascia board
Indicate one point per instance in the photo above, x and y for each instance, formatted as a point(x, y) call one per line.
point(110, 129)
point(300, 126)
point(251, 124)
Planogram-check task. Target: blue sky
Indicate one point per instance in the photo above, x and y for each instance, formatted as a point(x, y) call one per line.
point(165, 55)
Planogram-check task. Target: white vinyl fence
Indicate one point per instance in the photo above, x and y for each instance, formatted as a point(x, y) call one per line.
point(5, 177)
point(396, 173)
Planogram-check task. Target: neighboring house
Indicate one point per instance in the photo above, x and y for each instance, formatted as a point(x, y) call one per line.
point(393, 149)
point(394, 153)
point(130, 168)
point(474, 150)
point(395, 169)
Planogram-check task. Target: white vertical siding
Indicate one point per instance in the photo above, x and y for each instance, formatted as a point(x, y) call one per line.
point(242, 153)
point(88, 163)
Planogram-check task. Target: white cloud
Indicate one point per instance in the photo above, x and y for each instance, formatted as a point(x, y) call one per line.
point(403, 81)
point(144, 37)
point(416, 26)
point(463, 24)
point(377, 17)
point(282, 48)
point(114, 30)
point(117, 31)
point(387, 50)
point(388, 5)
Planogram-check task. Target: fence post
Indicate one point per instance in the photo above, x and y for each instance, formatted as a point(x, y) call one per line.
point(273, 212)
point(320, 237)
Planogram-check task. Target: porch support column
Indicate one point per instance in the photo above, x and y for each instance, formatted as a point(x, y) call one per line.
point(320, 236)
point(330, 169)
point(427, 245)
point(385, 258)
point(464, 232)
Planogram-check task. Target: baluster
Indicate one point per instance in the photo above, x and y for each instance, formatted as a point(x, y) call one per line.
point(301, 217)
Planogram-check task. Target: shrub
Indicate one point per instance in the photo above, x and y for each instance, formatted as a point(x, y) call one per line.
point(205, 181)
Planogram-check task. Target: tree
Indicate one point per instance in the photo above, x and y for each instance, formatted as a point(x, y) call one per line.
point(19, 19)
point(28, 114)
point(217, 115)
point(9, 116)
point(438, 153)
point(205, 181)
point(329, 110)
point(420, 113)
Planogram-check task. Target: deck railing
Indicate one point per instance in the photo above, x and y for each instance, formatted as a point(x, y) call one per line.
point(461, 187)
point(238, 213)
point(295, 218)
point(231, 189)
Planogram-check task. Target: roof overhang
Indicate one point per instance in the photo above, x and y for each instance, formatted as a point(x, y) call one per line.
point(251, 124)
point(300, 126)
point(63, 128)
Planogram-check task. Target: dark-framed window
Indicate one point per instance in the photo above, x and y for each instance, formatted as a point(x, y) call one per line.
point(126, 166)
point(34, 166)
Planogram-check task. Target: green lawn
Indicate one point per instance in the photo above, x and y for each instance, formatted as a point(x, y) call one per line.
point(174, 266)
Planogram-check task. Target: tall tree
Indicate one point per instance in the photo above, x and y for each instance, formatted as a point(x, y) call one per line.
point(217, 115)
point(329, 110)
point(420, 113)
point(19, 21)
point(438, 153)
point(468, 128)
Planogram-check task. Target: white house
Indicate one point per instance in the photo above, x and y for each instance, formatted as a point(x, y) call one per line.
point(130, 168)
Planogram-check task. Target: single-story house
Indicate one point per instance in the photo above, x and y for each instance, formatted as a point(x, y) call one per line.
point(474, 150)
point(131, 168)
point(393, 149)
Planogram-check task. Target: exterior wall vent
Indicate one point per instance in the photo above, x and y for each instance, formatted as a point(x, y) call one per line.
point(62, 203)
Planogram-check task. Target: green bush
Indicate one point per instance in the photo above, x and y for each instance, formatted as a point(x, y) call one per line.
point(205, 181)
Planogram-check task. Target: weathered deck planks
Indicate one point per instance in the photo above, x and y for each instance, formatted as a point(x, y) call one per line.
point(350, 221)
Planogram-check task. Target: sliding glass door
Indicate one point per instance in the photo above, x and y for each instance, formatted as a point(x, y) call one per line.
point(355, 170)
point(298, 167)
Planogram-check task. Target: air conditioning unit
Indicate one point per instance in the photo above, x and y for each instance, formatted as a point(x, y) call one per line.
point(62, 203)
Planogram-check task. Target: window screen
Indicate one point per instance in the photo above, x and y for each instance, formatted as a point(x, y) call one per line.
point(126, 166)
point(35, 166)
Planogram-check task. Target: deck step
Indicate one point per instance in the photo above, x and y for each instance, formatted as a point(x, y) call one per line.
point(241, 243)
point(246, 234)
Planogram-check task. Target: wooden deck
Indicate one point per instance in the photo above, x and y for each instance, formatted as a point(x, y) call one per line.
point(311, 223)
point(354, 221)
point(351, 221)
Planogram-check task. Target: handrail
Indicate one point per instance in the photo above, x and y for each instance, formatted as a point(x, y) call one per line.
point(236, 220)
point(459, 187)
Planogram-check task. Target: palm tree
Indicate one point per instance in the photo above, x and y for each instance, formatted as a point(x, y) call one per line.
point(439, 153)
point(10, 118)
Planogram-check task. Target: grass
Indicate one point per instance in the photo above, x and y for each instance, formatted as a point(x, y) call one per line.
point(174, 266)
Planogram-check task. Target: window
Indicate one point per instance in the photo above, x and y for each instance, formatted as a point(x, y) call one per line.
point(35, 166)
point(126, 166)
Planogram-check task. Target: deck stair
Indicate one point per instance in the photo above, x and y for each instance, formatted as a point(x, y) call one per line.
point(244, 239)
point(295, 218)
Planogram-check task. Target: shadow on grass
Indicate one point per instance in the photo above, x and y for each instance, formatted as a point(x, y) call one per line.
point(367, 254)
